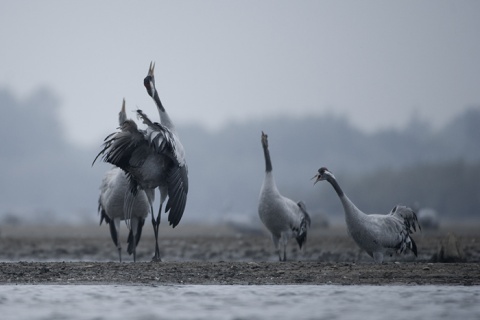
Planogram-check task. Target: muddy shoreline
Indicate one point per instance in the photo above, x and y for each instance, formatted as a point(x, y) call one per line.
point(239, 273)
point(222, 255)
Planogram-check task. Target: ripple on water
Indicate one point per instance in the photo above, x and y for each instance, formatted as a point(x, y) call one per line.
point(238, 302)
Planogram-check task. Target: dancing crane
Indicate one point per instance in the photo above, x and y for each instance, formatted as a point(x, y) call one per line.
point(182, 172)
point(114, 200)
point(152, 158)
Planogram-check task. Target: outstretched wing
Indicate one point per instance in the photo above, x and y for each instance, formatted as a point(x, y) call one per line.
point(166, 142)
point(130, 147)
point(163, 140)
point(177, 194)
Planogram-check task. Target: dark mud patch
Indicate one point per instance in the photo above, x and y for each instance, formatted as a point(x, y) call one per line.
point(219, 255)
point(239, 273)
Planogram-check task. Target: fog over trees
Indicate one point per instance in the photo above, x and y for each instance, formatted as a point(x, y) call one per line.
point(46, 179)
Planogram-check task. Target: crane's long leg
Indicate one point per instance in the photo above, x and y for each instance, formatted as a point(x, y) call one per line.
point(156, 224)
point(283, 247)
point(114, 232)
point(278, 250)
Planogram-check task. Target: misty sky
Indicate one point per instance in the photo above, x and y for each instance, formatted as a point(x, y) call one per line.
point(376, 62)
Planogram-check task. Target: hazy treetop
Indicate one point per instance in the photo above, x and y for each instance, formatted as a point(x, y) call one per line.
point(44, 177)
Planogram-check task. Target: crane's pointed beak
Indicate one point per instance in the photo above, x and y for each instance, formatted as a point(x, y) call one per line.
point(151, 69)
point(316, 177)
point(123, 106)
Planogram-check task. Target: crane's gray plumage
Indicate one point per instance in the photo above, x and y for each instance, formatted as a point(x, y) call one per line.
point(152, 158)
point(375, 233)
point(178, 178)
point(114, 195)
point(281, 216)
point(117, 203)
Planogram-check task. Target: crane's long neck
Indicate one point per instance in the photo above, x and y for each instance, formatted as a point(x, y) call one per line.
point(122, 115)
point(268, 161)
point(351, 211)
point(335, 186)
point(269, 186)
point(164, 118)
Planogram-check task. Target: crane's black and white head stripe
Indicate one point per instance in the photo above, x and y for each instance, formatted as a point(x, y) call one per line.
point(149, 81)
point(323, 174)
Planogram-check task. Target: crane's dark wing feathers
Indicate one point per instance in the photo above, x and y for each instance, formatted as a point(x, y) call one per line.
point(163, 141)
point(177, 180)
point(304, 224)
point(129, 148)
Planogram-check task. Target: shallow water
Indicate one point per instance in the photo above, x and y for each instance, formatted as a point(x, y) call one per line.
point(238, 302)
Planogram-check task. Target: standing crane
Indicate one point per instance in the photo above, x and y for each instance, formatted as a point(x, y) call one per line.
point(377, 234)
point(283, 217)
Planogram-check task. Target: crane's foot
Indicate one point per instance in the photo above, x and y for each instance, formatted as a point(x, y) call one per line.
point(156, 259)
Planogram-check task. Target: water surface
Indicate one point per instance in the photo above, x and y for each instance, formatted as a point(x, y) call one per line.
point(238, 302)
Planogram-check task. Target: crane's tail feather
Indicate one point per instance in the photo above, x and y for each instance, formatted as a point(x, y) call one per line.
point(133, 244)
point(413, 247)
point(130, 242)
point(408, 216)
point(304, 225)
point(103, 216)
point(128, 203)
point(113, 232)
point(410, 223)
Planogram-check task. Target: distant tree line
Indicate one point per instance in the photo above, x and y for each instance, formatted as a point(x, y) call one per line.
point(45, 177)
point(435, 168)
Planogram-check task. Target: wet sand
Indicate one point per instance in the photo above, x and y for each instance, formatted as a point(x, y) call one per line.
point(223, 255)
